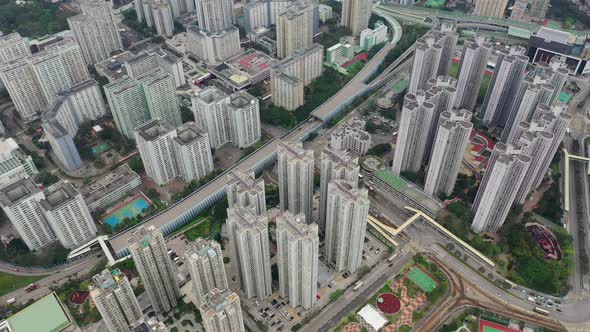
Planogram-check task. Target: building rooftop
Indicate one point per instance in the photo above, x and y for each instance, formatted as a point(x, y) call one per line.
point(409, 189)
point(47, 314)
point(154, 129)
point(108, 279)
point(109, 183)
point(201, 247)
point(372, 317)
point(17, 191)
point(113, 68)
point(558, 36)
point(211, 95)
point(188, 133)
point(296, 225)
point(58, 194)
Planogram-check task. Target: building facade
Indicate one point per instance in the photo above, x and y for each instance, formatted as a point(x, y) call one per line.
point(206, 268)
point(294, 29)
point(192, 152)
point(244, 119)
point(155, 144)
point(245, 191)
point(356, 15)
point(222, 312)
point(295, 172)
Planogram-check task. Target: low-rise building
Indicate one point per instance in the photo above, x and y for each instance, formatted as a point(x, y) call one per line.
point(110, 188)
point(371, 319)
point(351, 137)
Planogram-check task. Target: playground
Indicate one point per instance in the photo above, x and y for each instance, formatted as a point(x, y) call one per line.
point(128, 209)
point(388, 303)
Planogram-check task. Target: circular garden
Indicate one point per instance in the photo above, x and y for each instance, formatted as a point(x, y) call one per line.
point(388, 303)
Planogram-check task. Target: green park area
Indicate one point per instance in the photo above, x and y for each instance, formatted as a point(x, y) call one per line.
point(34, 18)
point(421, 278)
point(11, 282)
point(435, 3)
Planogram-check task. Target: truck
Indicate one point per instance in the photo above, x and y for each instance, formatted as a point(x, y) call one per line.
point(10, 301)
point(357, 286)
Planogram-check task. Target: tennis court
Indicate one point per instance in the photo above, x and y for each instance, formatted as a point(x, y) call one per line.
point(128, 209)
point(422, 278)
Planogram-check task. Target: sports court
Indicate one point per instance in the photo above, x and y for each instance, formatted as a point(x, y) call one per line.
point(487, 326)
point(565, 97)
point(422, 278)
point(128, 209)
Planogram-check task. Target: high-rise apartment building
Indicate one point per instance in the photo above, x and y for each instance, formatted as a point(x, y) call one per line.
point(507, 168)
point(248, 238)
point(414, 131)
point(256, 15)
point(295, 172)
point(542, 137)
point(155, 268)
point(113, 296)
point(222, 312)
point(159, 91)
point(67, 214)
point(346, 225)
point(244, 119)
point(452, 136)
point(127, 105)
point(286, 91)
point(215, 15)
point(34, 81)
point(206, 267)
point(335, 165)
point(192, 152)
point(538, 9)
point(245, 191)
point(162, 19)
point(432, 57)
point(213, 47)
point(472, 68)
point(503, 89)
point(209, 109)
point(493, 8)
point(533, 90)
point(294, 29)
point(62, 145)
point(13, 46)
point(145, 61)
point(155, 144)
point(441, 93)
point(20, 202)
point(15, 165)
point(96, 31)
point(356, 15)
point(298, 252)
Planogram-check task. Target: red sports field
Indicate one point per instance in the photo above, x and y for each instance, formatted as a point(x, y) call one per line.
point(388, 303)
point(487, 326)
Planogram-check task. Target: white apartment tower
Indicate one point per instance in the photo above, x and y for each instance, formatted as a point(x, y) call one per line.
point(67, 214)
point(356, 15)
point(298, 252)
point(441, 93)
point(127, 105)
point(248, 238)
point(15, 165)
point(352, 137)
point(155, 144)
point(245, 191)
point(504, 174)
point(286, 90)
point(346, 225)
point(503, 89)
point(213, 47)
point(113, 296)
point(206, 268)
point(452, 136)
point(192, 152)
point(162, 18)
point(159, 91)
point(244, 119)
point(414, 130)
point(96, 31)
point(155, 268)
point(472, 68)
point(222, 312)
point(209, 109)
point(295, 172)
point(335, 165)
point(20, 202)
point(13, 46)
point(215, 15)
point(294, 29)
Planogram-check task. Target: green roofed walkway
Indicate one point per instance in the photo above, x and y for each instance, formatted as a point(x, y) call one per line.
point(45, 315)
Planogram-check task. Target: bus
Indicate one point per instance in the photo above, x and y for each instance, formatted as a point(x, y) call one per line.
point(541, 311)
point(390, 259)
point(357, 285)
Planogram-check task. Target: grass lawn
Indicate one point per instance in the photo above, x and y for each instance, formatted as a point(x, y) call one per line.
point(203, 230)
point(454, 69)
point(10, 282)
point(485, 82)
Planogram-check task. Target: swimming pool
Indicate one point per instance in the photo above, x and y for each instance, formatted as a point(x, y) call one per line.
point(98, 149)
point(128, 209)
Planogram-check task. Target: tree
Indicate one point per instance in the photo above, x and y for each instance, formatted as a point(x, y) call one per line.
point(136, 164)
point(380, 149)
